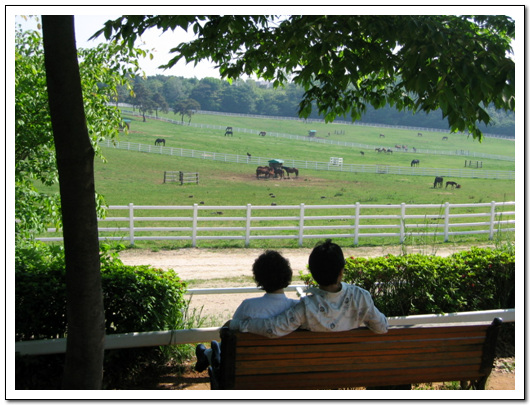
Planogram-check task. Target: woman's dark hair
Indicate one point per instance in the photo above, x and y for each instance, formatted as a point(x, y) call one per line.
point(272, 271)
point(325, 262)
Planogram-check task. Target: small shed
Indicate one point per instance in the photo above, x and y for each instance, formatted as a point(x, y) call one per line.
point(313, 132)
point(276, 163)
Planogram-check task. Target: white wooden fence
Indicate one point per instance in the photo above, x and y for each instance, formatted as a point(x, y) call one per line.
point(301, 222)
point(311, 165)
point(185, 336)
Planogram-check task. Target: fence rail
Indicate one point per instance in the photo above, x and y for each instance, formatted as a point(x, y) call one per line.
point(186, 336)
point(319, 166)
point(181, 177)
point(195, 223)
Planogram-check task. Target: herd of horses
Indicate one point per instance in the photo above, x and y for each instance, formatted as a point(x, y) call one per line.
point(280, 172)
point(275, 172)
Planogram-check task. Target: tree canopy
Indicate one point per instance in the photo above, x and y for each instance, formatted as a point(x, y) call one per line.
point(458, 64)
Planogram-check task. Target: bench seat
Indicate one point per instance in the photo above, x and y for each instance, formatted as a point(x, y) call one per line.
point(357, 358)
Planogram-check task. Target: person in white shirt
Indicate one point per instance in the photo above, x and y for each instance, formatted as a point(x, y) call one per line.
point(272, 273)
point(333, 306)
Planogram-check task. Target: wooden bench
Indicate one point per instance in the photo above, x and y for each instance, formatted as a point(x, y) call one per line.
point(357, 358)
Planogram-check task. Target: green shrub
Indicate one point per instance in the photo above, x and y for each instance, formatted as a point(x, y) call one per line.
point(474, 280)
point(136, 299)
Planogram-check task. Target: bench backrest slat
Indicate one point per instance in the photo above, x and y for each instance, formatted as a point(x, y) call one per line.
point(356, 358)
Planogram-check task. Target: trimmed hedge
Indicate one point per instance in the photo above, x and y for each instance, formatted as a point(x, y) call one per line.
point(136, 299)
point(474, 280)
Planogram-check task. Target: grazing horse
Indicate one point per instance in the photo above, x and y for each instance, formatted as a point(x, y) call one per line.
point(291, 170)
point(159, 141)
point(362, 153)
point(420, 134)
point(228, 131)
point(415, 162)
point(262, 133)
point(453, 184)
point(445, 138)
point(438, 181)
point(265, 171)
point(381, 136)
point(278, 172)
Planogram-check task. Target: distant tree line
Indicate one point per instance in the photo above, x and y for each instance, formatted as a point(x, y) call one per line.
point(184, 95)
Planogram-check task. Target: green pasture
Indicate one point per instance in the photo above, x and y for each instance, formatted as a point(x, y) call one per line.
point(354, 133)
point(211, 140)
point(137, 177)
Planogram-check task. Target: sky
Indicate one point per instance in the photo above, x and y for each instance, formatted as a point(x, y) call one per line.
point(89, 19)
point(154, 40)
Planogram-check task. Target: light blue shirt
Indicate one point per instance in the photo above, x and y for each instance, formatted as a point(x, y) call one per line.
point(263, 307)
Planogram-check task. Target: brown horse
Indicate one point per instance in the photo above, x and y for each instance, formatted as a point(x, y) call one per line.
point(159, 141)
point(453, 184)
point(291, 170)
point(277, 171)
point(265, 171)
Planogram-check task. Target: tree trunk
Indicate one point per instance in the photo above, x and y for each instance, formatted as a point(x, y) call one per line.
point(75, 163)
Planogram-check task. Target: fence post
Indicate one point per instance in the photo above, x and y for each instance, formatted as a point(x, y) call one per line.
point(131, 223)
point(446, 222)
point(247, 229)
point(181, 178)
point(492, 219)
point(356, 232)
point(194, 230)
point(301, 225)
point(402, 225)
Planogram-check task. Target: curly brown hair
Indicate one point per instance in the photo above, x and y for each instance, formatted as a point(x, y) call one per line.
point(272, 271)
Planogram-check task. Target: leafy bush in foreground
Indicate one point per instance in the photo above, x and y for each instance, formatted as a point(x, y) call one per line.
point(474, 280)
point(136, 298)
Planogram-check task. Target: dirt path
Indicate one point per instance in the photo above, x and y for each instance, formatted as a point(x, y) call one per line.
point(221, 268)
point(208, 264)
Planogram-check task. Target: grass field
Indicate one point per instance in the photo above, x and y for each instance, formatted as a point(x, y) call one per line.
point(359, 134)
point(136, 177)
